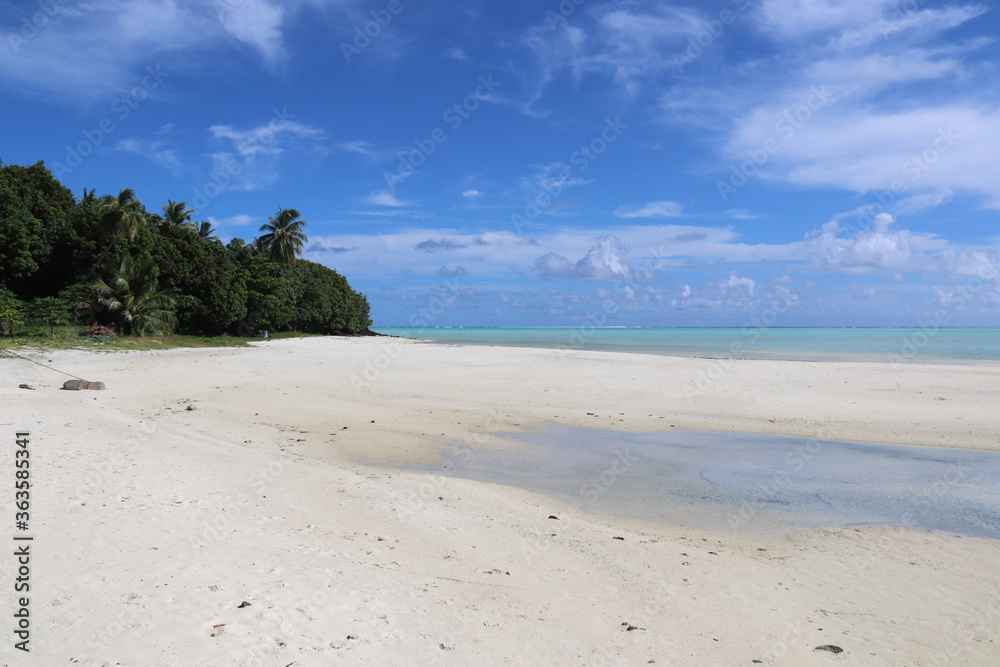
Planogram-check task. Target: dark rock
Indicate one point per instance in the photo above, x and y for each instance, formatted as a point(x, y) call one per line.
point(829, 647)
point(76, 385)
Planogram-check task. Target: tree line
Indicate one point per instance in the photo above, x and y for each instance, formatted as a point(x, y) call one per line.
point(109, 264)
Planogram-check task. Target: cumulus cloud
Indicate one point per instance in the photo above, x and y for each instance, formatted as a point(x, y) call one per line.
point(880, 247)
point(654, 209)
point(604, 261)
point(737, 285)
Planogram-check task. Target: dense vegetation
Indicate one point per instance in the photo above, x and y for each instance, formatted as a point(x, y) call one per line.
point(110, 266)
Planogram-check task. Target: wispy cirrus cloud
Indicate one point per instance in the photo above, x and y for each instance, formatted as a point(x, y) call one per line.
point(158, 151)
point(110, 42)
point(627, 43)
point(385, 198)
point(257, 151)
point(842, 102)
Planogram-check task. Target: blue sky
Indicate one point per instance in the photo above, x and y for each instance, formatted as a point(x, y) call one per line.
point(809, 162)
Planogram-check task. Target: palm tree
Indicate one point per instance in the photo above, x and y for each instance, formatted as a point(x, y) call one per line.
point(133, 299)
point(121, 216)
point(285, 238)
point(206, 231)
point(88, 198)
point(177, 213)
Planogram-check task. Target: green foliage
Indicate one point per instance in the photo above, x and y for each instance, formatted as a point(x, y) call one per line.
point(160, 272)
point(323, 300)
point(11, 311)
point(121, 217)
point(49, 310)
point(207, 231)
point(177, 214)
point(134, 302)
point(212, 295)
point(34, 210)
point(284, 239)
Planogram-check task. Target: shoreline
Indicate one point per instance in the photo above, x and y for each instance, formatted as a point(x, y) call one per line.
point(157, 522)
point(909, 345)
point(933, 361)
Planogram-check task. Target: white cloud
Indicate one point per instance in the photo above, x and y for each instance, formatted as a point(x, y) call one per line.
point(880, 247)
point(156, 151)
point(472, 194)
point(653, 253)
point(254, 154)
point(384, 198)
point(654, 209)
point(853, 113)
point(800, 19)
point(256, 23)
point(241, 220)
point(625, 45)
point(741, 214)
point(360, 147)
point(111, 42)
point(737, 285)
point(604, 261)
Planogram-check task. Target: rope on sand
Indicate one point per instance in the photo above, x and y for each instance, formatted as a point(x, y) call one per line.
point(15, 354)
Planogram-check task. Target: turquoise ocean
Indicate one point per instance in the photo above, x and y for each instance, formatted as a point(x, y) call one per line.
point(920, 344)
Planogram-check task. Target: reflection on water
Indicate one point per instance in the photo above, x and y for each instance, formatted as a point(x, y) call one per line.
point(752, 483)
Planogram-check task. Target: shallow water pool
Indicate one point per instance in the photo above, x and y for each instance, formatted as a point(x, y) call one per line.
point(750, 483)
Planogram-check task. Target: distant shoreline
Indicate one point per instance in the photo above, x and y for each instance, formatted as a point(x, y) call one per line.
point(895, 345)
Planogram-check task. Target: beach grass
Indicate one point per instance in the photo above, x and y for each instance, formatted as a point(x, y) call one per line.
point(69, 338)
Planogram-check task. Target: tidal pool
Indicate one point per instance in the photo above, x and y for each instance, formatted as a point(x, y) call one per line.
point(750, 483)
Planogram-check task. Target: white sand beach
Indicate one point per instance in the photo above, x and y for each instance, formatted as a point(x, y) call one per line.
point(267, 526)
